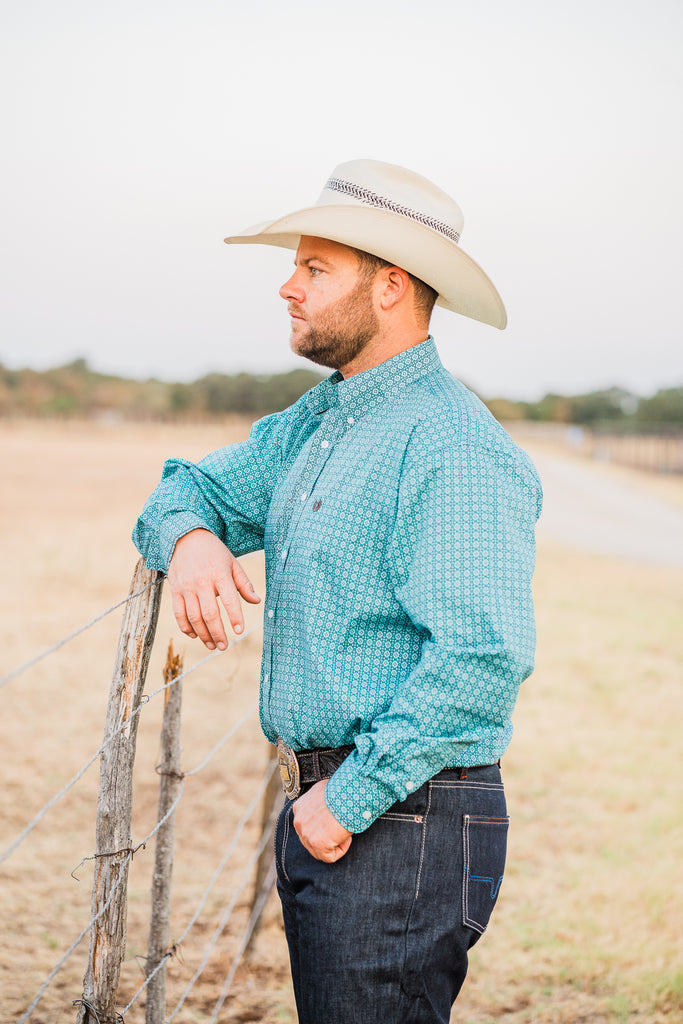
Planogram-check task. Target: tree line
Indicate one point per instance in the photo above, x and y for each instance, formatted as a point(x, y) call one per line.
point(77, 391)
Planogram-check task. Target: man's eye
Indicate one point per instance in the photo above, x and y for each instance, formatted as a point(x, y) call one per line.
point(314, 271)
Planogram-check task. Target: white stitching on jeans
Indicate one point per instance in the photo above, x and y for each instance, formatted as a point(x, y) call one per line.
point(285, 836)
point(410, 818)
point(424, 839)
point(465, 861)
point(494, 786)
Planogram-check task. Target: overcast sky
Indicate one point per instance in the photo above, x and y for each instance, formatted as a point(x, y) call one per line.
point(136, 135)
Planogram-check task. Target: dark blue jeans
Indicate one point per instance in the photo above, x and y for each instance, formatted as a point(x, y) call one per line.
point(381, 936)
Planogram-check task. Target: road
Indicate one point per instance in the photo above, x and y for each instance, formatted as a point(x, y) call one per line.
point(608, 511)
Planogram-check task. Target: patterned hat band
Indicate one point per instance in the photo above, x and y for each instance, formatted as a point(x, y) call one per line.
point(366, 195)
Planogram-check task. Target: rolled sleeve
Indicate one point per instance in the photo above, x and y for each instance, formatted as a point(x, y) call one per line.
point(228, 492)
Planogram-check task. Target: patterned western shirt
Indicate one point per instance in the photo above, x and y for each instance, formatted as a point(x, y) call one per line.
point(397, 519)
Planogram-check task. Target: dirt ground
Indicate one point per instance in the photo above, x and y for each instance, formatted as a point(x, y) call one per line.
point(587, 928)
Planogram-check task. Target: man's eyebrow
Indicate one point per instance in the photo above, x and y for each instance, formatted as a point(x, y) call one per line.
point(312, 259)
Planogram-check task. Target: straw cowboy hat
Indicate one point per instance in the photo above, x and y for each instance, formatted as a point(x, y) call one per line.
point(403, 218)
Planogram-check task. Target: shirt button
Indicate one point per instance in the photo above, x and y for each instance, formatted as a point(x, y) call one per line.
point(284, 553)
point(410, 785)
point(266, 678)
point(324, 444)
point(271, 613)
point(367, 815)
point(304, 496)
point(350, 420)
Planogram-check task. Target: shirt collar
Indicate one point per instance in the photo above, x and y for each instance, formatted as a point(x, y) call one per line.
point(377, 383)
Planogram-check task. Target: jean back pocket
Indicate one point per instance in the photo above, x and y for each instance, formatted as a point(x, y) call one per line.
point(484, 848)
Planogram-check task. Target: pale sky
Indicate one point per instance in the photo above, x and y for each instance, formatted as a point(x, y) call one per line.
point(137, 135)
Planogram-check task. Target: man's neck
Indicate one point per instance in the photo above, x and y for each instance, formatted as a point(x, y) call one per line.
point(382, 347)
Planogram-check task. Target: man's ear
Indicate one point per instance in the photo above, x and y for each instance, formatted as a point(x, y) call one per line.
point(394, 284)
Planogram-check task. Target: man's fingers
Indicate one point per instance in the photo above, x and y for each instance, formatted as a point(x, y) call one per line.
point(180, 614)
point(204, 619)
point(243, 583)
point(201, 570)
point(232, 605)
point(329, 854)
point(212, 621)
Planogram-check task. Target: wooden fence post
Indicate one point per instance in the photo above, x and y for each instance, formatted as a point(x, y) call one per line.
point(160, 925)
point(114, 806)
point(273, 800)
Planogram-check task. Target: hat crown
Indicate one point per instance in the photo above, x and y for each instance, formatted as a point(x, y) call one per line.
point(396, 189)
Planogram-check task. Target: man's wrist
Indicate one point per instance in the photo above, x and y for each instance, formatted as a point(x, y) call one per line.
point(355, 800)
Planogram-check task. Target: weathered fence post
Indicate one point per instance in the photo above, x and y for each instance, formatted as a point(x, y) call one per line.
point(273, 799)
point(114, 807)
point(160, 926)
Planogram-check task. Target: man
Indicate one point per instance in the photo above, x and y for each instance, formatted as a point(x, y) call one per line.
point(397, 519)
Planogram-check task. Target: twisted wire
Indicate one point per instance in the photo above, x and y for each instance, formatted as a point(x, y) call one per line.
point(129, 856)
point(71, 636)
point(146, 698)
point(130, 853)
point(8, 851)
point(239, 828)
point(231, 906)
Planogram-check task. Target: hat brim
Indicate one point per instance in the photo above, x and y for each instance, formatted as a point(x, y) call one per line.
point(462, 285)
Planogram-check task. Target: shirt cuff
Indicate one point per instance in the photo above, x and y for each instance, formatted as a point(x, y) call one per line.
point(356, 800)
point(158, 549)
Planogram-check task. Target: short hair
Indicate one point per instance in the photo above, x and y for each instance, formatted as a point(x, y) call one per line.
point(425, 295)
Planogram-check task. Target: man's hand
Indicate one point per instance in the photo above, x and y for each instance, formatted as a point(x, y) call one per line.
point(317, 828)
point(201, 570)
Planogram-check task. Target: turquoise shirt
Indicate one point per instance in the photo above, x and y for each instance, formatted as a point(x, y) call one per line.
point(397, 518)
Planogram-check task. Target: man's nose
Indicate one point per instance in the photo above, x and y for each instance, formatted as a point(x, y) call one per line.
point(291, 289)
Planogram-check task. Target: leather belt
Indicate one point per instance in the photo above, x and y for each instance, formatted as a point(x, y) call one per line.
point(302, 767)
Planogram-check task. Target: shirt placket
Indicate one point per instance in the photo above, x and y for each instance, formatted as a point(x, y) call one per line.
point(322, 445)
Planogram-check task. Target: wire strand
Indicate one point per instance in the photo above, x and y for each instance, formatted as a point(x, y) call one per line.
point(248, 931)
point(93, 920)
point(247, 814)
point(8, 851)
point(71, 636)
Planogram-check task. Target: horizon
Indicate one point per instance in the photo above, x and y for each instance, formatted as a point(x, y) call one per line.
point(82, 363)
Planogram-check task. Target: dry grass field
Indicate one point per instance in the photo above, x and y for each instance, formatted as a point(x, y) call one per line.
point(589, 923)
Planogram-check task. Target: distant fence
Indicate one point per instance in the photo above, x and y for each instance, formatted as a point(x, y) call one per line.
point(114, 842)
point(658, 453)
point(658, 449)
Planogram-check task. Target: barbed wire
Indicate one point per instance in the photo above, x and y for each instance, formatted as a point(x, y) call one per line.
point(88, 625)
point(77, 632)
point(141, 844)
point(129, 853)
point(35, 821)
point(145, 699)
point(246, 936)
point(239, 828)
point(93, 920)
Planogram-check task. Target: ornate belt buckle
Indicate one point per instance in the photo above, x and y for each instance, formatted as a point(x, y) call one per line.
point(289, 770)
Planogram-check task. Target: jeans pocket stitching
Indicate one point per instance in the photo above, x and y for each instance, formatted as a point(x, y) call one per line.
point(495, 883)
point(410, 818)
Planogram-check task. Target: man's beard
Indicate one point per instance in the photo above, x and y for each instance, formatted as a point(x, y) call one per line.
point(341, 331)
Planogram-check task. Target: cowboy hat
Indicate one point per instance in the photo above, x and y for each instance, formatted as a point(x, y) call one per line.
point(401, 217)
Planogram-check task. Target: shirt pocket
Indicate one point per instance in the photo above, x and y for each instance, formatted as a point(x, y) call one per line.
point(484, 849)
